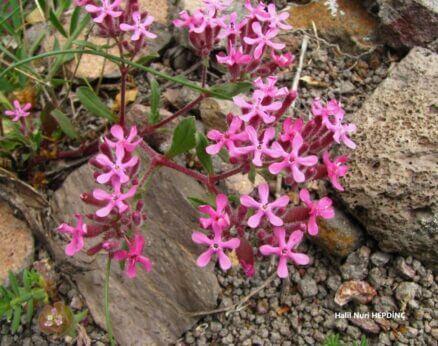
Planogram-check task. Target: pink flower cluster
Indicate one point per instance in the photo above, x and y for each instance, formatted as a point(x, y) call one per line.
point(115, 221)
point(114, 21)
point(263, 136)
point(247, 40)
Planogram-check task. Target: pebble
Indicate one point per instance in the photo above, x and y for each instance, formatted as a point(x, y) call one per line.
point(356, 265)
point(307, 287)
point(380, 258)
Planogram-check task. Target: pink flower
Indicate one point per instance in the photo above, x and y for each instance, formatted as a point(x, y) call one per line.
point(126, 142)
point(216, 247)
point(258, 149)
point(77, 233)
point(116, 199)
point(285, 251)
point(19, 112)
point(262, 40)
point(115, 171)
point(277, 20)
point(282, 60)
point(217, 5)
point(331, 115)
point(256, 108)
point(258, 12)
point(269, 89)
point(107, 8)
point(134, 256)
point(335, 169)
point(234, 57)
point(228, 138)
point(189, 21)
point(264, 208)
point(218, 219)
point(140, 27)
point(293, 161)
point(233, 28)
point(341, 133)
point(318, 208)
point(291, 128)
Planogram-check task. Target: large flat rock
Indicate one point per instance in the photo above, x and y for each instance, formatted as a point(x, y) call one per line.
point(16, 245)
point(151, 309)
point(392, 187)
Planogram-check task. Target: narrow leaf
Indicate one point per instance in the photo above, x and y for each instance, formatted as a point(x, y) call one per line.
point(154, 116)
point(74, 19)
point(184, 137)
point(93, 103)
point(16, 319)
point(229, 90)
point(56, 23)
point(203, 156)
point(65, 123)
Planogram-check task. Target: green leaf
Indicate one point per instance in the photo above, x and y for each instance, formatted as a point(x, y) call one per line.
point(56, 23)
point(203, 156)
point(154, 116)
point(146, 59)
point(65, 123)
point(16, 319)
point(93, 103)
point(184, 137)
point(196, 202)
point(252, 174)
point(229, 90)
point(29, 311)
point(13, 283)
point(223, 154)
point(74, 19)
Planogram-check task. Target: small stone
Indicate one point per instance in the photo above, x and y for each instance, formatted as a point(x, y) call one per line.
point(354, 332)
point(380, 258)
point(356, 265)
point(240, 184)
point(215, 327)
point(347, 87)
point(341, 324)
point(262, 306)
point(214, 112)
point(307, 287)
point(228, 339)
point(358, 291)
point(333, 282)
point(384, 304)
point(405, 292)
point(366, 324)
point(404, 269)
point(76, 303)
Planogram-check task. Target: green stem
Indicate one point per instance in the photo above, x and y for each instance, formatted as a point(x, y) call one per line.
point(119, 60)
point(109, 328)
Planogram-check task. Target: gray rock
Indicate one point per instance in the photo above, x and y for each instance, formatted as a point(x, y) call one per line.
point(392, 185)
point(16, 246)
point(380, 258)
point(404, 269)
point(153, 307)
point(307, 287)
point(356, 265)
point(339, 236)
point(405, 292)
point(408, 23)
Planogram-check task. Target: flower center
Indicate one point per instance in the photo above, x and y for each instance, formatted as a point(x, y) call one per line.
point(215, 247)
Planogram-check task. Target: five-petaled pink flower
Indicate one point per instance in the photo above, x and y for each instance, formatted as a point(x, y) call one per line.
point(128, 143)
point(216, 246)
point(341, 133)
point(227, 139)
point(234, 57)
point(263, 207)
point(107, 8)
point(116, 199)
point(218, 219)
point(283, 60)
point(269, 88)
point(19, 112)
point(317, 208)
point(263, 39)
point(291, 128)
point(139, 27)
point(133, 256)
point(217, 5)
point(293, 161)
point(77, 233)
point(285, 251)
point(115, 171)
point(256, 108)
point(335, 169)
point(233, 28)
point(276, 21)
point(259, 148)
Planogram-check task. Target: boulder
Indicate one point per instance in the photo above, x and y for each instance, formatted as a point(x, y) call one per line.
point(392, 187)
point(16, 246)
point(408, 23)
point(155, 306)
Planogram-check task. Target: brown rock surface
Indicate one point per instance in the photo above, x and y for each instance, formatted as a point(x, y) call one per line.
point(16, 246)
point(151, 309)
point(392, 187)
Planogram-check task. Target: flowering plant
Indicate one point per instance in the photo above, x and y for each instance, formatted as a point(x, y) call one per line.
point(262, 136)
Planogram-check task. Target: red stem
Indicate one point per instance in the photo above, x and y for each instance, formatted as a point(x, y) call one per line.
point(187, 108)
point(124, 74)
point(230, 173)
